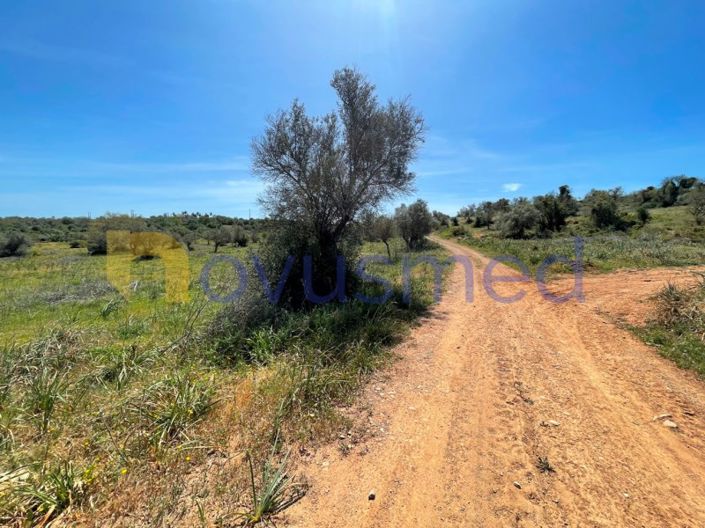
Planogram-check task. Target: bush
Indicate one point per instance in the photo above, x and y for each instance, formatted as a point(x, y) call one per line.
point(239, 236)
point(518, 221)
point(604, 209)
point(415, 222)
point(643, 215)
point(15, 245)
point(97, 241)
point(295, 240)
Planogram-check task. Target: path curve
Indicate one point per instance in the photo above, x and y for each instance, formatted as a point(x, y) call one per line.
point(455, 428)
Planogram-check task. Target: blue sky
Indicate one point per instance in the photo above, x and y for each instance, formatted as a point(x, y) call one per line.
point(151, 106)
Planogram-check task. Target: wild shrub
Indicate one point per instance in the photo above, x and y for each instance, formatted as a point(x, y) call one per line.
point(97, 240)
point(239, 236)
point(680, 307)
point(230, 334)
point(14, 245)
point(696, 204)
point(679, 326)
point(458, 231)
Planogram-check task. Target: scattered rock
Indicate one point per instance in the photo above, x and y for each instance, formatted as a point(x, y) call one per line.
point(371, 496)
point(517, 485)
point(670, 424)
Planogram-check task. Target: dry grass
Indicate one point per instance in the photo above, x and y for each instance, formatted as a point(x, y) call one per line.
point(112, 405)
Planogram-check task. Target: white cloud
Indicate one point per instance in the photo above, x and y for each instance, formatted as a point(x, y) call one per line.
point(511, 187)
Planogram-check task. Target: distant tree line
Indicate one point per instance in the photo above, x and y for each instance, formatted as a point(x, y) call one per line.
point(545, 215)
point(18, 233)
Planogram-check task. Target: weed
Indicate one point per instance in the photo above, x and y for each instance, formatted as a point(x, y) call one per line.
point(122, 365)
point(544, 466)
point(111, 306)
point(132, 328)
point(173, 406)
point(38, 498)
point(277, 491)
point(45, 391)
point(678, 329)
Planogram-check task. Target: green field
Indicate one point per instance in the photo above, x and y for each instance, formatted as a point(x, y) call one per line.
point(671, 238)
point(99, 393)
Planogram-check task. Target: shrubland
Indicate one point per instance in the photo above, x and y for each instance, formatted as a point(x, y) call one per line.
point(103, 397)
point(114, 400)
point(656, 226)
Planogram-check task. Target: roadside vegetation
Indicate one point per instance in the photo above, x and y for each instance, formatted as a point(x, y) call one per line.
point(656, 226)
point(114, 400)
point(99, 393)
point(678, 329)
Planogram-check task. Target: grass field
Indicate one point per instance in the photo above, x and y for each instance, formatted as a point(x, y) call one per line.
point(106, 400)
point(671, 239)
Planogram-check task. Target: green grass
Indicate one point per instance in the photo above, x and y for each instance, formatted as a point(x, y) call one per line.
point(601, 253)
point(100, 393)
point(678, 329)
point(670, 239)
point(674, 223)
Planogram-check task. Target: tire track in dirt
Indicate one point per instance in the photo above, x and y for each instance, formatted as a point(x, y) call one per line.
point(465, 414)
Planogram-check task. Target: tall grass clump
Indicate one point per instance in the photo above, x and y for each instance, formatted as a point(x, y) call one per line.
point(46, 391)
point(171, 407)
point(34, 498)
point(273, 492)
point(678, 329)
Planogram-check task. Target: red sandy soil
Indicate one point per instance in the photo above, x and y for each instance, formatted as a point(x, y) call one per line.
point(453, 431)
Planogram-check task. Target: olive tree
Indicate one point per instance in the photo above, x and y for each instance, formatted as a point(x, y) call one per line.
point(521, 218)
point(697, 204)
point(323, 172)
point(414, 222)
point(221, 237)
point(380, 228)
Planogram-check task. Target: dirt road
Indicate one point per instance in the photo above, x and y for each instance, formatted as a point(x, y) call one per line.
point(455, 429)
